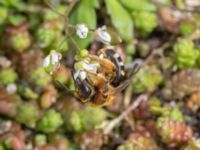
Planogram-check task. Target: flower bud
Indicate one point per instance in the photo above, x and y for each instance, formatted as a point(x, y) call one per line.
point(102, 35)
point(11, 88)
point(52, 62)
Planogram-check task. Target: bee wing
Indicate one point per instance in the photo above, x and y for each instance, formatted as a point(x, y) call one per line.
point(133, 68)
point(122, 86)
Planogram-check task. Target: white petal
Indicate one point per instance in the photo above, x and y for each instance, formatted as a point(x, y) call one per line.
point(46, 61)
point(11, 88)
point(103, 35)
point(76, 74)
point(82, 31)
point(83, 75)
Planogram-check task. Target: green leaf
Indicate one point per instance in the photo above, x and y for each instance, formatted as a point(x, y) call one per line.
point(17, 4)
point(121, 19)
point(16, 19)
point(139, 5)
point(85, 13)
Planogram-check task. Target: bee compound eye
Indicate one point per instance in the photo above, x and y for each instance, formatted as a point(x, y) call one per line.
point(84, 90)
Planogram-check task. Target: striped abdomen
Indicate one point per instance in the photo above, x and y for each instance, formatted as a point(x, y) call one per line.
point(116, 59)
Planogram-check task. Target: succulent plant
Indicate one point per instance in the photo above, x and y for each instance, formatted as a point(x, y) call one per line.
point(27, 92)
point(45, 37)
point(144, 21)
point(27, 114)
point(39, 77)
point(186, 28)
point(139, 142)
point(18, 37)
point(84, 119)
point(147, 79)
point(50, 122)
point(181, 84)
point(194, 101)
point(173, 113)
point(8, 103)
point(186, 54)
point(173, 132)
point(40, 139)
point(8, 76)
point(90, 140)
point(48, 98)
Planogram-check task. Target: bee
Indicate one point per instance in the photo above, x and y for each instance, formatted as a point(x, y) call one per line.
point(99, 85)
point(97, 78)
point(117, 73)
point(94, 90)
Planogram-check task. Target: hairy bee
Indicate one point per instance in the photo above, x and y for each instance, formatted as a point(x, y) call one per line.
point(100, 77)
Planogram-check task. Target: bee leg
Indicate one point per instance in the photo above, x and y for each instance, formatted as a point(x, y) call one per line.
point(133, 68)
point(96, 79)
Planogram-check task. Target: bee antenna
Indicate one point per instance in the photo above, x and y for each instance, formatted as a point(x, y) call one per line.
point(64, 87)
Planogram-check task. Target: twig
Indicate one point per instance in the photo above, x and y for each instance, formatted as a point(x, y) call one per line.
point(66, 21)
point(158, 51)
point(109, 127)
point(127, 95)
point(131, 122)
point(67, 13)
point(53, 8)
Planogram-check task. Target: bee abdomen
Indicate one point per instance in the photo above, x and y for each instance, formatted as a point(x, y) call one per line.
point(116, 59)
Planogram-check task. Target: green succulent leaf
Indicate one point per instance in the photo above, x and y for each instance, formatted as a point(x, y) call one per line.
point(121, 19)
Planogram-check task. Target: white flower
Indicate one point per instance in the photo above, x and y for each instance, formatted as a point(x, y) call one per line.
point(81, 74)
point(82, 31)
point(11, 88)
point(102, 35)
point(4, 62)
point(52, 61)
point(92, 67)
